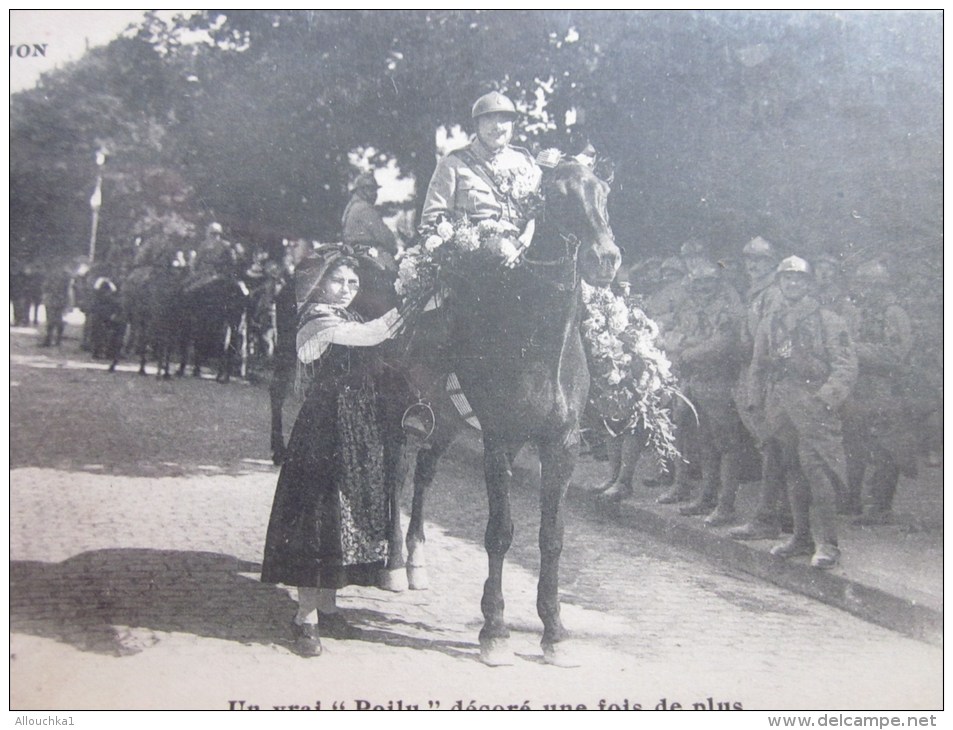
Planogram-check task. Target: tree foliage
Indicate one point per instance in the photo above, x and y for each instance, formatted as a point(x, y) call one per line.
point(819, 130)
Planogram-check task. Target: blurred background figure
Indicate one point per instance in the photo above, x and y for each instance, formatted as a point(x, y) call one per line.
point(57, 299)
point(703, 345)
point(362, 224)
point(879, 433)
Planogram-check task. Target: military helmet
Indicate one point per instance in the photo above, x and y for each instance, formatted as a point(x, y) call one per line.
point(704, 270)
point(673, 263)
point(213, 227)
point(365, 180)
point(493, 103)
point(827, 258)
point(794, 265)
point(758, 246)
point(692, 247)
point(872, 272)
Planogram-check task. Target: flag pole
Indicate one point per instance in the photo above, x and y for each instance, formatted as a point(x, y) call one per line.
point(96, 201)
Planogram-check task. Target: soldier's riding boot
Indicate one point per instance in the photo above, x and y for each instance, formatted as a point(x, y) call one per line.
point(823, 510)
point(681, 490)
point(883, 486)
point(724, 513)
point(630, 449)
point(801, 542)
point(855, 480)
point(614, 450)
point(664, 478)
point(711, 482)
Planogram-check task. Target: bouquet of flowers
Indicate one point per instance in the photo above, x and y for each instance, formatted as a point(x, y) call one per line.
point(632, 378)
point(448, 250)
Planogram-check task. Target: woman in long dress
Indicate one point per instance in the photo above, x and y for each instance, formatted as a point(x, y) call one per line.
point(328, 525)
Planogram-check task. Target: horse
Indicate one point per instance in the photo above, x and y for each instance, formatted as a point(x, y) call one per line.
point(516, 348)
point(106, 325)
point(150, 298)
point(26, 294)
point(284, 364)
point(213, 325)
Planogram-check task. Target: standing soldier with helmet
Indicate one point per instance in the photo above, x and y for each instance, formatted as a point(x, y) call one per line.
point(703, 344)
point(763, 296)
point(829, 282)
point(878, 429)
point(802, 370)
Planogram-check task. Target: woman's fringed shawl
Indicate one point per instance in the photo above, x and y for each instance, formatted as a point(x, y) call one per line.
point(316, 325)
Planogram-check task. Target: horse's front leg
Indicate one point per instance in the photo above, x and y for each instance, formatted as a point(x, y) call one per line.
point(277, 391)
point(394, 576)
point(428, 457)
point(499, 535)
point(225, 362)
point(557, 461)
point(143, 345)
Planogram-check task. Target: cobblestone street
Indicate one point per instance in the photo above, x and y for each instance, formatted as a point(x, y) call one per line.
point(138, 514)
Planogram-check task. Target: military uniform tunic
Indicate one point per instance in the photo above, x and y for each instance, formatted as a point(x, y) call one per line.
point(802, 370)
point(463, 185)
point(877, 422)
point(363, 226)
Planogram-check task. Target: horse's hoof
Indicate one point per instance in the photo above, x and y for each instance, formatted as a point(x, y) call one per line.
point(496, 653)
point(616, 493)
point(559, 655)
point(417, 577)
point(417, 566)
point(392, 580)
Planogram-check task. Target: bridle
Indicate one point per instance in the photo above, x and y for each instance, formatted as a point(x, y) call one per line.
point(565, 268)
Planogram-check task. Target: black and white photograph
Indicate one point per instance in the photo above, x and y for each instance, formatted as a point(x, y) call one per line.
point(477, 360)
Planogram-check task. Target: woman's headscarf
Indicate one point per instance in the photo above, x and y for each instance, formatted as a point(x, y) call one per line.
point(311, 270)
point(316, 320)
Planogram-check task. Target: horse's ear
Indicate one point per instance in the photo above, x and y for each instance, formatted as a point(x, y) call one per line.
point(553, 182)
point(561, 187)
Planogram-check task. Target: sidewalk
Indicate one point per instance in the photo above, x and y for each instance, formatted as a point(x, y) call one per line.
point(890, 575)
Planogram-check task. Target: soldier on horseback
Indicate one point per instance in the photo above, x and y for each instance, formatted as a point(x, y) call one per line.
point(472, 181)
point(361, 224)
point(215, 258)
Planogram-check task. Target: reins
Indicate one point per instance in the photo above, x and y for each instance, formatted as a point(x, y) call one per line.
point(569, 258)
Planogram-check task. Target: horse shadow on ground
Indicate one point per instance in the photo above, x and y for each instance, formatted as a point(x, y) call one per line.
point(110, 601)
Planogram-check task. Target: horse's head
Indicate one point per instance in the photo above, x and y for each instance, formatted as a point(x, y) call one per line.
point(576, 209)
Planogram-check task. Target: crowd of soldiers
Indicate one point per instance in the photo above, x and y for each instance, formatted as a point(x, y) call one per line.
point(794, 363)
